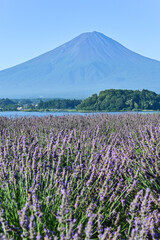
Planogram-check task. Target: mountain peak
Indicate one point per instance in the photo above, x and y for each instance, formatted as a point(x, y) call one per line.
point(91, 35)
point(92, 45)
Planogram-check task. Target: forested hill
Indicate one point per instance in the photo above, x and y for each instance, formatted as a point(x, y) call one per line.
point(121, 100)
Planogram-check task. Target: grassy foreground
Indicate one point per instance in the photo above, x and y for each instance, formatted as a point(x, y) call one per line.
point(80, 177)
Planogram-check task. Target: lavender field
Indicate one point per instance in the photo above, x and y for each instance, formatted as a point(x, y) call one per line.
point(80, 177)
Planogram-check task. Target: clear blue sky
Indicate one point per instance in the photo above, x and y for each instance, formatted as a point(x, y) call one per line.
point(29, 28)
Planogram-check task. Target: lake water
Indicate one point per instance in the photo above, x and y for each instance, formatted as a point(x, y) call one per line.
point(40, 114)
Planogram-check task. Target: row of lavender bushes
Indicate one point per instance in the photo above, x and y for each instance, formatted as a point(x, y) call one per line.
point(80, 177)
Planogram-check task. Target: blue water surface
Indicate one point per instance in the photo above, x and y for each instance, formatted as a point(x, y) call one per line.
point(41, 114)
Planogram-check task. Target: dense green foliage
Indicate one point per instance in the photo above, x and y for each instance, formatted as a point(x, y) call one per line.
point(59, 104)
point(7, 104)
point(121, 100)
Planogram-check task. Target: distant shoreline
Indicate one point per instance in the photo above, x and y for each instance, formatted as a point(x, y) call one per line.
point(74, 110)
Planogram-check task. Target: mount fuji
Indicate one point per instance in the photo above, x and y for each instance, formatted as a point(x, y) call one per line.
point(85, 65)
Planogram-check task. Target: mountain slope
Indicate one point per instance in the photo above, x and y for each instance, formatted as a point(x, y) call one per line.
point(87, 64)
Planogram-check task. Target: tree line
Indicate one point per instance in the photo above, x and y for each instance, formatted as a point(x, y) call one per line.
point(59, 104)
point(37, 104)
point(108, 100)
